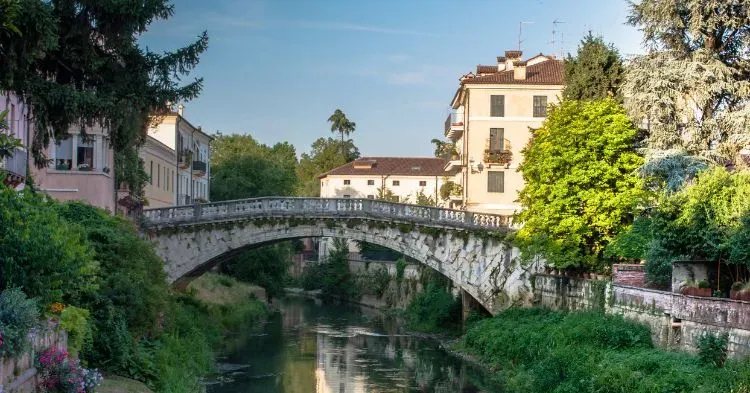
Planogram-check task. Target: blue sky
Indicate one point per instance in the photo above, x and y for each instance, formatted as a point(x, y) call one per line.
point(276, 69)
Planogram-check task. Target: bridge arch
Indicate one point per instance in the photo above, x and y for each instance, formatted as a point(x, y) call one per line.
point(467, 248)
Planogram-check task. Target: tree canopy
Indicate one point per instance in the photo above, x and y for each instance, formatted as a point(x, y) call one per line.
point(243, 168)
point(79, 64)
point(325, 154)
point(596, 71)
point(580, 182)
point(692, 86)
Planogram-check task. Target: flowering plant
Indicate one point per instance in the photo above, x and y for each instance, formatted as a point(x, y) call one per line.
point(56, 307)
point(61, 374)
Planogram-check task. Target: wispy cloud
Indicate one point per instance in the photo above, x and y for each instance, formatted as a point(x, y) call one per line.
point(357, 27)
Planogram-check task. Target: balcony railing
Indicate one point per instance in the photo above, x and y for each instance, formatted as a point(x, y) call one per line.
point(502, 155)
point(454, 125)
point(184, 159)
point(199, 168)
point(184, 199)
point(16, 164)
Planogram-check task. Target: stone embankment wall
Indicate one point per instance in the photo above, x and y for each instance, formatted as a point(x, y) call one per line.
point(18, 375)
point(676, 320)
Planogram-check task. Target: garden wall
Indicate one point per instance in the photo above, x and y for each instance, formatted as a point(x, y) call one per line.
point(676, 320)
point(18, 375)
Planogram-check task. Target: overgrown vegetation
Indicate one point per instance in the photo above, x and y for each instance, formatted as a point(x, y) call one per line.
point(332, 277)
point(434, 310)
point(537, 350)
point(18, 315)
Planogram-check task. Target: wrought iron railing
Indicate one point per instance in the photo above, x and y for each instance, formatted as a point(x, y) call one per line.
point(340, 208)
point(15, 164)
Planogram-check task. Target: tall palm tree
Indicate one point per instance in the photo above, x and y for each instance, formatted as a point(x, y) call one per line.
point(342, 125)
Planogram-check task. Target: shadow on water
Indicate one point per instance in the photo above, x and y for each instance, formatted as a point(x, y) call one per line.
point(341, 348)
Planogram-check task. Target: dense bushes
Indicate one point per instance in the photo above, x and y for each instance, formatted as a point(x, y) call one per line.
point(434, 310)
point(538, 350)
point(18, 315)
point(332, 277)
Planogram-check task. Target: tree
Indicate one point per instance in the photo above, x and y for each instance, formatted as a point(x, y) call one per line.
point(8, 144)
point(444, 149)
point(423, 199)
point(692, 86)
point(386, 194)
point(244, 168)
point(324, 156)
point(596, 72)
point(342, 125)
point(580, 182)
point(79, 64)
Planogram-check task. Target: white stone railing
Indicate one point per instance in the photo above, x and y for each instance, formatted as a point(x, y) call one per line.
point(321, 208)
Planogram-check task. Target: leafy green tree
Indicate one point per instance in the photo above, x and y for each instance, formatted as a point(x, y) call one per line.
point(79, 64)
point(580, 182)
point(243, 168)
point(386, 194)
point(266, 266)
point(692, 86)
point(7, 142)
point(596, 72)
point(444, 149)
point(40, 252)
point(342, 125)
point(324, 156)
point(423, 199)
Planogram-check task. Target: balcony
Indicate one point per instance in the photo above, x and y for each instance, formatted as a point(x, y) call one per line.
point(199, 168)
point(454, 126)
point(184, 159)
point(453, 164)
point(184, 199)
point(15, 166)
point(501, 155)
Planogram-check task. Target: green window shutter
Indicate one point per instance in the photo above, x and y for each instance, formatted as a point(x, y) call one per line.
point(497, 106)
point(496, 181)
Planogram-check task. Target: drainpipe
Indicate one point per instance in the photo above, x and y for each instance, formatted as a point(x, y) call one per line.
point(466, 150)
point(436, 191)
point(177, 162)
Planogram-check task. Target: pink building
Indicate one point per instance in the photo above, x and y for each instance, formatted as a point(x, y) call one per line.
point(18, 127)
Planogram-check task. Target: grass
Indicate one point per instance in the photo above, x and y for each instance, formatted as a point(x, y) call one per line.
point(115, 384)
point(537, 350)
point(213, 288)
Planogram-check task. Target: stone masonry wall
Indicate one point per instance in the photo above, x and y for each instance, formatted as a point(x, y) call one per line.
point(676, 321)
point(629, 274)
point(18, 375)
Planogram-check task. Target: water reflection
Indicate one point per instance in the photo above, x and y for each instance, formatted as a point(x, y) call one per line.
point(310, 348)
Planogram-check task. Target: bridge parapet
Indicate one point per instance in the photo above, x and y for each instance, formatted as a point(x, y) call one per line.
point(322, 208)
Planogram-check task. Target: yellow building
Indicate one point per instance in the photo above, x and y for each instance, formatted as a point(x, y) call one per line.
point(493, 110)
point(159, 160)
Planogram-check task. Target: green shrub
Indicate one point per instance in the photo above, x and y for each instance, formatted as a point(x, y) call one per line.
point(712, 349)
point(434, 310)
point(18, 315)
point(400, 269)
point(703, 284)
point(75, 321)
point(225, 281)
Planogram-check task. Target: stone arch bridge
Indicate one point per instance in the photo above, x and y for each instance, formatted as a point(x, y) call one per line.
point(468, 248)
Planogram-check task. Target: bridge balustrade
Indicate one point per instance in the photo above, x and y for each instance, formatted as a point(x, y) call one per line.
point(321, 208)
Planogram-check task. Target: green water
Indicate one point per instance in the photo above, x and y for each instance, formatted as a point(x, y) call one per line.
point(311, 347)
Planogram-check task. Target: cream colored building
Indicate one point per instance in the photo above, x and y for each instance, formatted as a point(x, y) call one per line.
point(160, 163)
point(190, 173)
point(367, 177)
point(493, 110)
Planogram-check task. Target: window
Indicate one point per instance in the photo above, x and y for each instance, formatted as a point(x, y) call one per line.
point(540, 106)
point(423, 183)
point(85, 154)
point(158, 175)
point(396, 183)
point(371, 182)
point(12, 120)
point(371, 197)
point(347, 196)
point(64, 154)
point(497, 106)
point(497, 139)
point(151, 173)
point(347, 182)
point(495, 181)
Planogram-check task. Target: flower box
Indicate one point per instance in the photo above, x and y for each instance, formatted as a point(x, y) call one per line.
point(741, 294)
point(692, 291)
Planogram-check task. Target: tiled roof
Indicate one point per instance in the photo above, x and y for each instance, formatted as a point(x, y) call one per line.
point(392, 166)
point(550, 72)
point(486, 69)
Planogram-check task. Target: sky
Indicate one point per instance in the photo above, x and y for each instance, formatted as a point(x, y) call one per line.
point(277, 69)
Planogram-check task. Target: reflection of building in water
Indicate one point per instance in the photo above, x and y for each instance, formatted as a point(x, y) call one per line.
point(336, 371)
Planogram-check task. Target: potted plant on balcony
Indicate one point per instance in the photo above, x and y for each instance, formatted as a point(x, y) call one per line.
point(186, 159)
point(740, 291)
point(701, 288)
point(84, 168)
point(501, 157)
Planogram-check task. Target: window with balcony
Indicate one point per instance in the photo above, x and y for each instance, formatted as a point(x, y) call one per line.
point(423, 183)
point(396, 183)
point(497, 139)
point(64, 154)
point(371, 182)
point(497, 106)
point(347, 182)
point(495, 181)
point(85, 153)
point(540, 106)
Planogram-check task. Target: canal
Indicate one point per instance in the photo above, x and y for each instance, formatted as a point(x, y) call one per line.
point(309, 347)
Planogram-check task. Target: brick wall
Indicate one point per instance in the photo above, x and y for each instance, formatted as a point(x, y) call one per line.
point(629, 274)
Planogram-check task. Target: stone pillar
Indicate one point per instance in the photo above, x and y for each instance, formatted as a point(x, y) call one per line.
point(466, 305)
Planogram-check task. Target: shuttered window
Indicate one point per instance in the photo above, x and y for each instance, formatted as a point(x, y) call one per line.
point(497, 106)
point(495, 181)
point(540, 106)
point(497, 139)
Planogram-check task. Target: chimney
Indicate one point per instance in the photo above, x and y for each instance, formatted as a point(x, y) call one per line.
point(511, 57)
point(180, 109)
point(519, 72)
point(501, 63)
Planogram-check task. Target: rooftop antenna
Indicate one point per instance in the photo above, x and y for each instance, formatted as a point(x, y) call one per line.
point(554, 35)
point(520, 32)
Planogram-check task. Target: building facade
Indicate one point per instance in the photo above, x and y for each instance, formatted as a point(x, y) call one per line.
point(401, 179)
point(492, 113)
point(80, 168)
point(160, 163)
point(17, 120)
point(189, 174)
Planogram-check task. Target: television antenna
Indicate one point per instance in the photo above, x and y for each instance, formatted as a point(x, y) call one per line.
point(554, 36)
point(520, 32)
